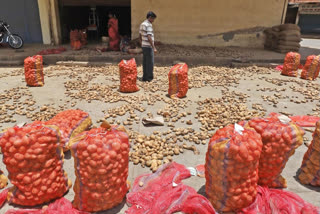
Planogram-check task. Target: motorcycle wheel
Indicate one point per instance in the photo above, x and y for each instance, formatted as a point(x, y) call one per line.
point(15, 41)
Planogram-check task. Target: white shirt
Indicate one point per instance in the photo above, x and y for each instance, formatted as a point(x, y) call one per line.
point(145, 30)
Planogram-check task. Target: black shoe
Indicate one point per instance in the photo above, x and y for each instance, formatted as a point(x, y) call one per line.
point(146, 80)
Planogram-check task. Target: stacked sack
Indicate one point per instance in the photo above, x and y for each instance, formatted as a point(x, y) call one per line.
point(291, 64)
point(309, 172)
point(283, 38)
point(178, 81)
point(128, 76)
point(231, 167)
point(33, 71)
point(101, 166)
point(311, 69)
point(83, 37)
point(34, 160)
point(71, 123)
point(280, 138)
point(75, 39)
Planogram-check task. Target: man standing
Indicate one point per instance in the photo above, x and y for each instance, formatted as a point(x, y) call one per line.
point(148, 48)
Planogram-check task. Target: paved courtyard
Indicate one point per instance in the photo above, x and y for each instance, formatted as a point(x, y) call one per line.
point(239, 93)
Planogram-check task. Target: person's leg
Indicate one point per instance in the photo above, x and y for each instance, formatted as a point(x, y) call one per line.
point(144, 63)
point(151, 64)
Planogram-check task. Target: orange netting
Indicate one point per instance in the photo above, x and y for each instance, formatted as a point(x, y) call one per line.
point(71, 123)
point(178, 81)
point(128, 75)
point(309, 172)
point(279, 143)
point(101, 166)
point(34, 160)
point(33, 71)
point(311, 69)
point(231, 168)
point(291, 64)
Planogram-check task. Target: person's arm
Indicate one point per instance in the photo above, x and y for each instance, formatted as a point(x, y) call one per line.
point(140, 39)
point(152, 43)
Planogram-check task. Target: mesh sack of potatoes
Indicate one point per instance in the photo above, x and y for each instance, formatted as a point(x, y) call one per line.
point(75, 39)
point(309, 172)
point(280, 139)
point(71, 123)
point(3, 180)
point(33, 71)
point(291, 64)
point(311, 69)
point(231, 167)
point(178, 81)
point(128, 76)
point(34, 160)
point(101, 166)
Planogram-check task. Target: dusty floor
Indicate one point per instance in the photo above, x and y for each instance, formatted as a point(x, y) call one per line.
point(256, 90)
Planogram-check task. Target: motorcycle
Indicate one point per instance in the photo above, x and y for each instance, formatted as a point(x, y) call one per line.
point(15, 41)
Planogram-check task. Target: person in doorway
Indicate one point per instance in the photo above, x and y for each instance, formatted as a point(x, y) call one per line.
point(147, 44)
point(113, 32)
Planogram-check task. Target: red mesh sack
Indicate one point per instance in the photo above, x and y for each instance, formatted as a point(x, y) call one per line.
point(305, 120)
point(101, 166)
point(128, 75)
point(311, 69)
point(71, 123)
point(277, 201)
point(280, 140)
point(60, 206)
point(3, 180)
point(52, 51)
point(83, 37)
point(231, 167)
point(34, 159)
point(163, 192)
point(178, 81)
point(291, 64)
point(33, 71)
point(75, 39)
point(309, 172)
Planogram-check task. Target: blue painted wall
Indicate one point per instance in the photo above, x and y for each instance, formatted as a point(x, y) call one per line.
point(309, 23)
point(23, 18)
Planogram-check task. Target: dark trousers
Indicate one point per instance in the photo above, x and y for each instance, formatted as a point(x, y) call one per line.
point(148, 61)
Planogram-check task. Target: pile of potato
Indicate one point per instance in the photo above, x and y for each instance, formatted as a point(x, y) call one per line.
point(309, 172)
point(34, 160)
point(101, 166)
point(280, 140)
point(231, 168)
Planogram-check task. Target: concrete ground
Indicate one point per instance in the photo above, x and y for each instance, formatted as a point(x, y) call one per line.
point(261, 85)
point(167, 54)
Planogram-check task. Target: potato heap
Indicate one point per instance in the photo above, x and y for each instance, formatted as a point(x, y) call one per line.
point(311, 69)
point(231, 168)
point(34, 160)
point(291, 64)
point(101, 167)
point(3, 180)
point(128, 76)
point(279, 143)
point(71, 123)
point(178, 81)
point(33, 71)
point(309, 172)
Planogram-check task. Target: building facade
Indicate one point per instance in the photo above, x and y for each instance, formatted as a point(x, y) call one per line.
point(306, 14)
point(185, 22)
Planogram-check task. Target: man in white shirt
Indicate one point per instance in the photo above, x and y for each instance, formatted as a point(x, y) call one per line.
point(148, 48)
